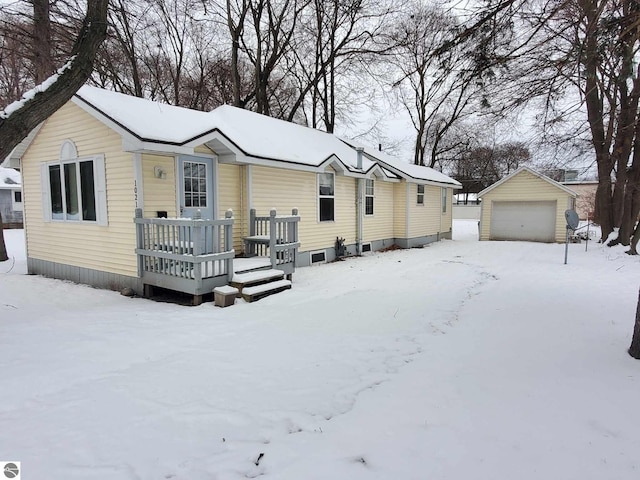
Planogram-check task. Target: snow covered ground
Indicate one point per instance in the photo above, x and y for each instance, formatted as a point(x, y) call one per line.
point(465, 359)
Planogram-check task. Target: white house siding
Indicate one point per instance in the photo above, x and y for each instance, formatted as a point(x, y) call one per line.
point(525, 187)
point(379, 226)
point(109, 249)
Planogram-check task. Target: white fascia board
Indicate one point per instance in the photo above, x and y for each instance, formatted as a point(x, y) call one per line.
point(135, 145)
point(229, 158)
point(334, 162)
point(378, 171)
point(433, 184)
point(249, 160)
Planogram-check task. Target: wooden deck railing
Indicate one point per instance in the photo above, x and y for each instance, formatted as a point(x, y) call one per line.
point(187, 255)
point(274, 236)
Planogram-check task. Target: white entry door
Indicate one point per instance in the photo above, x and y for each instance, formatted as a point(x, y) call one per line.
point(532, 221)
point(196, 184)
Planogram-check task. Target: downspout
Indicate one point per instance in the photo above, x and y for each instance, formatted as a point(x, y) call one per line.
point(359, 209)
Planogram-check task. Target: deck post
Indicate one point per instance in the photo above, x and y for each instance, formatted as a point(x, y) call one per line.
point(272, 237)
point(294, 227)
point(252, 231)
point(228, 243)
point(294, 235)
point(198, 237)
point(139, 241)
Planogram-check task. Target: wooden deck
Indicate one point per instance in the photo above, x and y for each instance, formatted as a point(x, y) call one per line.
point(194, 256)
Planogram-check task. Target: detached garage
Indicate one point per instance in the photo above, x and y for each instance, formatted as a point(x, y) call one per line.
point(525, 205)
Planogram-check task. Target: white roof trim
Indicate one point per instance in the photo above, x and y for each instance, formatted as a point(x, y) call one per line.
point(419, 181)
point(532, 172)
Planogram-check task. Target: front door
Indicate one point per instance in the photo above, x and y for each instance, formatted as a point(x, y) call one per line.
point(196, 186)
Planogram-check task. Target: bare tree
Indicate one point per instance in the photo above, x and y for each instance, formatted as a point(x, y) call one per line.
point(437, 88)
point(634, 349)
point(574, 49)
point(17, 120)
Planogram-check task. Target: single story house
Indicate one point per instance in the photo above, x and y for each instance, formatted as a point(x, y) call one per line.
point(525, 205)
point(10, 197)
point(586, 202)
point(237, 176)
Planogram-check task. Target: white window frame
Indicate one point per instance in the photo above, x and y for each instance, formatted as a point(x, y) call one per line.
point(420, 195)
point(445, 199)
point(317, 252)
point(15, 205)
point(320, 197)
point(369, 182)
point(68, 155)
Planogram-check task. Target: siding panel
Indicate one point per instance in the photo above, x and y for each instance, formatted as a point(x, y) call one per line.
point(379, 226)
point(86, 245)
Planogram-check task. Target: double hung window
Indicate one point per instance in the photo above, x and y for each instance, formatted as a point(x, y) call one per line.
point(368, 197)
point(420, 196)
point(326, 197)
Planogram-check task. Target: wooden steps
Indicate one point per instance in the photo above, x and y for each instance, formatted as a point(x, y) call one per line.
point(252, 294)
point(257, 284)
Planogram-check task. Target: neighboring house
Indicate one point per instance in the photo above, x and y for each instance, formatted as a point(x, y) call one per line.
point(466, 206)
point(10, 198)
point(105, 156)
point(525, 205)
point(586, 203)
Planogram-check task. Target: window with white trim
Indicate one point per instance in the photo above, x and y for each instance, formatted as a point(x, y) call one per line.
point(16, 200)
point(74, 188)
point(368, 197)
point(326, 197)
point(420, 196)
point(444, 199)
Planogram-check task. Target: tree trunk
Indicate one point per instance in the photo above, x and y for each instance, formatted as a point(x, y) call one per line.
point(604, 207)
point(3, 247)
point(634, 241)
point(42, 59)
point(18, 124)
point(634, 349)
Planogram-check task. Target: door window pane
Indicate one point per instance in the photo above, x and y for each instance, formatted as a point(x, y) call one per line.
point(195, 184)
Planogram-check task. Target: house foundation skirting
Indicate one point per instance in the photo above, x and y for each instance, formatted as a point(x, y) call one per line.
point(86, 276)
point(303, 259)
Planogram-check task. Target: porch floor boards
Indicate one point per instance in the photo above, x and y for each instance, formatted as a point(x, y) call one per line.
point(241, 264)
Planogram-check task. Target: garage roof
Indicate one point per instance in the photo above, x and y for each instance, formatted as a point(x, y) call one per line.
point(532, 172)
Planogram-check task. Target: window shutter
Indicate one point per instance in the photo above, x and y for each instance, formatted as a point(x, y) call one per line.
point(101, 190)
point(44, 191)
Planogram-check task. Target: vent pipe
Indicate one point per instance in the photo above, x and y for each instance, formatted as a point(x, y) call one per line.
point(359, 202)
point(359, 151)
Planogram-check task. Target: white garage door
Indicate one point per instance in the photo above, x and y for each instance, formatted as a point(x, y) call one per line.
point(533, 221)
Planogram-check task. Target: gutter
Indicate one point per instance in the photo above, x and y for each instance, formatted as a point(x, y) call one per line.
point(359, 201)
